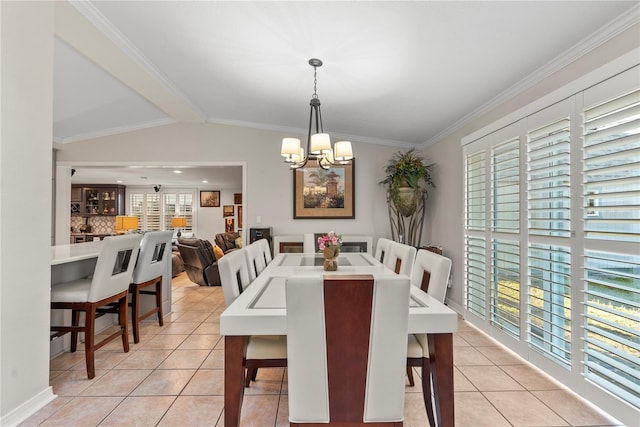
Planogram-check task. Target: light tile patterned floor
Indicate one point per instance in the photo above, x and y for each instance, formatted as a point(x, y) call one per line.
point(174, 376)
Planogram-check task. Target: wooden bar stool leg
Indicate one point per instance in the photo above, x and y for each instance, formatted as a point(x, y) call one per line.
point(135, 308)
point(123, 322)
point(159, 302)
point(89, 338)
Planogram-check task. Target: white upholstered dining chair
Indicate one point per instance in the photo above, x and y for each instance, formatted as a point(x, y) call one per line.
point(382, 248)
point(266, 250)
point(431, 274)
point(261, 351)
point(346, 349)
point(400, 258)
point(109, 284)
point(254, 256)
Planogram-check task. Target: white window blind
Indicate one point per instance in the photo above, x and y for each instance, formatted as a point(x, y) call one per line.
point(505, 186)
point(549, 304)
point(612, 169)
point(548, 184)
point(475, 191)
point(475, 273)
point(505, 286)
point(178, 204)
point(567, 240)
point(147, 207)
point(612, 323)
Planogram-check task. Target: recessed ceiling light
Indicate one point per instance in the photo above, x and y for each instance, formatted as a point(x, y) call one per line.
point(119, 181)
point(177, 171)
point(204, 181)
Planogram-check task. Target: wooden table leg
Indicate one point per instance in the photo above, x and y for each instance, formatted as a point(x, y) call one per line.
point(233, 379)
point(441, 360)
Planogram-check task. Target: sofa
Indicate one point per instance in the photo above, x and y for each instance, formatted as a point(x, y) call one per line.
point(227, 241)
point(199, 262)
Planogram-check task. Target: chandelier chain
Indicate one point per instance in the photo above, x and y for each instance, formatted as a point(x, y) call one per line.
point(315, 83)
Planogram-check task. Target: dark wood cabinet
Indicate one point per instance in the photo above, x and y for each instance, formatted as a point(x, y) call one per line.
point(95, 200)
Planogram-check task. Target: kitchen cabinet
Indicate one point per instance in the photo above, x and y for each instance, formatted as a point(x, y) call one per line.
point(97, 200)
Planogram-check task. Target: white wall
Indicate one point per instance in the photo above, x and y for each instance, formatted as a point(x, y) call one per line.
point(268, 190)
point(445, 207)
point(26, 88)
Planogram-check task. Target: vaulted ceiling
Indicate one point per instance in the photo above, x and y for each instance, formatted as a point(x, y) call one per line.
point(395, 72)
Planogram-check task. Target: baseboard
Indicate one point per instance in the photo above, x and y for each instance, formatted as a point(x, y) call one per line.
point(28, 408)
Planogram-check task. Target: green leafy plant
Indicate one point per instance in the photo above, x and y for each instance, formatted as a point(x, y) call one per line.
point(406, 169)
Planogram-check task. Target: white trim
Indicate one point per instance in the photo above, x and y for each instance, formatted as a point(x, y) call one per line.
point(114, 131)
point(28, 408)
point(618, 65)
point(98, 20)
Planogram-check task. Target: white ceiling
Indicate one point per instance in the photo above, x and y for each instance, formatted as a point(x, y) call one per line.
point(397, 73)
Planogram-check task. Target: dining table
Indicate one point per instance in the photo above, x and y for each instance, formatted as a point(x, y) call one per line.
point(261, 310)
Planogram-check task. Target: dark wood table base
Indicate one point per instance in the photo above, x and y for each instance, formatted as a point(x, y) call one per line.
point(440, 357)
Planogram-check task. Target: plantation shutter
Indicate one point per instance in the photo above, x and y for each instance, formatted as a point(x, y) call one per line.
point(505, 186)
point(612, 266)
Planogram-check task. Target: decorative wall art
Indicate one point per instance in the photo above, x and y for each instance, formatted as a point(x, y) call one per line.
point(227, 210)
point(240, 217)
point(209, 199)
point(229, 225)
point(322, 194)
point(237, 198)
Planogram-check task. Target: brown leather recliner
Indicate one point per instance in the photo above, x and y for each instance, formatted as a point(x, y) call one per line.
point(199, 262)
point(227, 241)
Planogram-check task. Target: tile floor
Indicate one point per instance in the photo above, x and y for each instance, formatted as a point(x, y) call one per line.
point(174, 376)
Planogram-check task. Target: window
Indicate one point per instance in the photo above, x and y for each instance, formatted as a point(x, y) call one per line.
point(560, 255)
point(155, 210)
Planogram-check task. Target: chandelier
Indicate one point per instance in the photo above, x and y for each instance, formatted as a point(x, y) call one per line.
point(318, 142)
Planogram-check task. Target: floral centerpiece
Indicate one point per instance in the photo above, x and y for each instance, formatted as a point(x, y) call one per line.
point(329, 244)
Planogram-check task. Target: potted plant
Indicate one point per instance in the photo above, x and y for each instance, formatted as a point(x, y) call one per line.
point(406, 181)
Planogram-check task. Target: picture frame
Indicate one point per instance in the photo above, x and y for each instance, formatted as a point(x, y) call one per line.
point(237, 198)
point(228, 210)
point(229, 226)
point(239, 217)
point(324, 194)
point(209, 199)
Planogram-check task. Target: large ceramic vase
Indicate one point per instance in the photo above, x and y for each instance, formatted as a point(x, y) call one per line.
point(406, 201)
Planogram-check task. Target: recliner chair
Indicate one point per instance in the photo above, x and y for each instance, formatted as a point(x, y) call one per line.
point(199, 262)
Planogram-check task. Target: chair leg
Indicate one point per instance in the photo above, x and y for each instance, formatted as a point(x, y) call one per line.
point(135, 309)
point(75, 321)
point(123, 303)
point(410, 376)
point(89, 338)
point(249, 376)
point(159, 302)
point(426, 390)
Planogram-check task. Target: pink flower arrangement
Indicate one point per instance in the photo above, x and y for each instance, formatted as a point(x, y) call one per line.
point(329, 239)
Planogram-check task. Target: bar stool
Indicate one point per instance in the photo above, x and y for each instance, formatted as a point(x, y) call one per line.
point(155, 250)
point(109, 284)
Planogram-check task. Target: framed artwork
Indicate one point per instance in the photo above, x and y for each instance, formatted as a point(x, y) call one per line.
point(227, 210)
point(229, 225)
point(209, 199)
point(324, 194)
point(237, 198)
point(239, 217)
